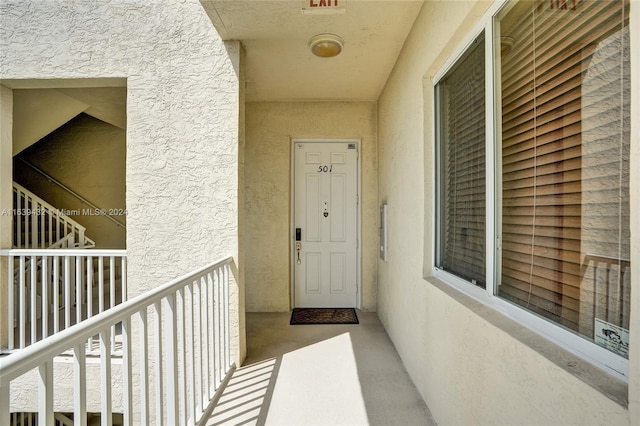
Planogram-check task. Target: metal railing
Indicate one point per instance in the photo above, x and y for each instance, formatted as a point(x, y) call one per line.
point(177, 336)
point(71, 192)
point(54, 289)
point(38, 224)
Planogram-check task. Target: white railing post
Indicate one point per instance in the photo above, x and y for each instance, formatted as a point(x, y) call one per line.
point(56, 294)
point(212, 335)
point(46, 290)
point(22, 309)
point(34, 299)
point(171, 361)
point(182, 358)
point(35, 225)
point(11, 320)
point(89, 285)
point(127, 377)
point(190, 359)
point(45, 394)
point(144, 367)
point(5, 402)
point(197, 393)
point(77, 288)
point(112, 294)
point(227, 331)
point(79, 384)
point(18, 221)
point(66, 277)
point(105, 377)
point(204, 336)
point(157, 311)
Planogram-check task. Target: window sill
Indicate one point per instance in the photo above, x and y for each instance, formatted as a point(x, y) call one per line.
point(611, 387)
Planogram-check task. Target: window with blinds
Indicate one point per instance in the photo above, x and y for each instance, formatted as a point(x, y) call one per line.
point(461, 167)
point(565, 88)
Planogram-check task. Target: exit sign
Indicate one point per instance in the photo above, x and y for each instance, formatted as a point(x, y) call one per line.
point(323, 6)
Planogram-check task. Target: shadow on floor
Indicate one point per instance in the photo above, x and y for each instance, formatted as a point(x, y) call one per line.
point(319, 374)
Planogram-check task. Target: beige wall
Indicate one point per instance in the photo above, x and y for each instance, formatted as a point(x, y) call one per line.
point(6, 199)
point(87, 156)
point(182, 116)
point(269, 130)
point(183, 108)
point(471, 364)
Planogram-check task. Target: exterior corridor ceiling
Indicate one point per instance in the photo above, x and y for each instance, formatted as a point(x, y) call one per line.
point(279, 64)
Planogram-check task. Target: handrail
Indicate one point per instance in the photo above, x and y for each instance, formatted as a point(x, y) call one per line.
point(71, 191)
point(45, 204)
point(41, 208)
point(175, 293)
point(63, 252)
point(63, 242)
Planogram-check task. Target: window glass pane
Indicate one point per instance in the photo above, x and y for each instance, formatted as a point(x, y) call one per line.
point(461, 160)
point(565, 164)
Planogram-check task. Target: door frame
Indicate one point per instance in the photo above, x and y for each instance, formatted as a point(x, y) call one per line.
point(292, 248)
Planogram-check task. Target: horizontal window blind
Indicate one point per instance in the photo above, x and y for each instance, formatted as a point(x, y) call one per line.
point(461, 133)
point(565, 161)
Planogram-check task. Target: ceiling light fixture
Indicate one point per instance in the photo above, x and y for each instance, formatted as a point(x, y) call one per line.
point(326, 45)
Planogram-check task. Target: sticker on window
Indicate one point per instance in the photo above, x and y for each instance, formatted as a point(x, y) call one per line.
point(612, 337)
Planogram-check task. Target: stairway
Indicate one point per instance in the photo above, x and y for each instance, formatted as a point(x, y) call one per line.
point(72, 284)
point(38, 224)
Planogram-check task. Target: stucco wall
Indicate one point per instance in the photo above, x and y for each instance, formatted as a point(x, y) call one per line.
point(270, 128)
point(182, 115)
point(468, 369)
point(182, 118)
point(87, 156)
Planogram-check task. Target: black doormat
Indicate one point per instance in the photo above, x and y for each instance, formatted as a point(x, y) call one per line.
point(301, 316)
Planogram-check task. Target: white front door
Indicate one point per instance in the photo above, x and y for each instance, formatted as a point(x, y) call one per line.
point(325, 224)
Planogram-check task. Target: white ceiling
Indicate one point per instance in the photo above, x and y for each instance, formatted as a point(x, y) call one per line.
point(279, 64)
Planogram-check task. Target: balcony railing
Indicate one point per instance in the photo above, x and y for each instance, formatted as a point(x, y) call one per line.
point(54, 289)
point(175, 347)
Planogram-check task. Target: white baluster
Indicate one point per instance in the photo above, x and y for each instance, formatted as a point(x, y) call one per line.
point(157, 310)
point(127, 376)
point(144, 367)
point(79, 385)
point(45, 394)
point(171, 361)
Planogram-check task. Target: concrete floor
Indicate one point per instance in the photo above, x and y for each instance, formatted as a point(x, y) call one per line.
point(319, 375)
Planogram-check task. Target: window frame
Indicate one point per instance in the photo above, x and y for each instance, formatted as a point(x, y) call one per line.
point(606, 360)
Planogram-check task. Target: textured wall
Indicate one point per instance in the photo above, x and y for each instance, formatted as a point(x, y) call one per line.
point(182, 118)
point(270, 128)
point(468, 370)
point(182, 113)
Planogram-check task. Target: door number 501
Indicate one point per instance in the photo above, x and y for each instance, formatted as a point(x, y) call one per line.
point(325, 169)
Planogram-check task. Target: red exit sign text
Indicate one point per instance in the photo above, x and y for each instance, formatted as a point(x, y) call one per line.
point(324, 6)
